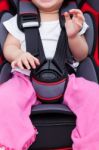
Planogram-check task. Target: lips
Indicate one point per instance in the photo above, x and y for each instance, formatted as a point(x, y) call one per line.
point(45, 1)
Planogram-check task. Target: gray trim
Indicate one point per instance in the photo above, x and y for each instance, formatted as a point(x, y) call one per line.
point(89, 35)
point(49, 91)
point(3, 31)
point(26, 7)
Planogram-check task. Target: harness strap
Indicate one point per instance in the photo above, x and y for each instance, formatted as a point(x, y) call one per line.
point(51, 76)
point(33, 39)
point(29, 23)
point(34, 43)
point(62, 50)
point(31, 44)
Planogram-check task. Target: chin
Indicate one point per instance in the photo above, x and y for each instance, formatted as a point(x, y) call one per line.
point(48, 5)
point(47, 8)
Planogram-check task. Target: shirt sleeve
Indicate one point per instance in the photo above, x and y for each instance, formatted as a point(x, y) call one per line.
point(84, 28)
point(12, 27)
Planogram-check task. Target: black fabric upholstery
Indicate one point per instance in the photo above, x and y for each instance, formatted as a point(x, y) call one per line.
point(87, 70)
point(5, 74)
point(55, 124)
point(94, 4)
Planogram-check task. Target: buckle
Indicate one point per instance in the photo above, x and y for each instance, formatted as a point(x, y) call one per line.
point(29, 20)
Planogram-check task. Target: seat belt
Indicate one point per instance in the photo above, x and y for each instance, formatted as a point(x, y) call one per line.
point(51, 76)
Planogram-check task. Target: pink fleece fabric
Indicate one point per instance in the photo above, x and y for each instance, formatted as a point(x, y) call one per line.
point(16, 99)
point(17, 96)
point(82, 97)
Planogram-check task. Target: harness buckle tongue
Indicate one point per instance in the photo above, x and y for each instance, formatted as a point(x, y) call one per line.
point(29, 20)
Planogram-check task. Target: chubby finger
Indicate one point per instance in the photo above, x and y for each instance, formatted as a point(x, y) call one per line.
point(36, 61)
point(32, 62)
point(75, 11)
point(81, 17)
point(67, 16)
point(20, 64)
point(26, 63)
point(80, 20)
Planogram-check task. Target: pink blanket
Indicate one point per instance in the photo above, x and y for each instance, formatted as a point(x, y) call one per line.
point(17, 96)
point(82, 97)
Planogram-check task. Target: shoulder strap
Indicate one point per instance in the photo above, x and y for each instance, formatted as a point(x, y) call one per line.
point(63, 53)
point(29, 22)
point(34, 43)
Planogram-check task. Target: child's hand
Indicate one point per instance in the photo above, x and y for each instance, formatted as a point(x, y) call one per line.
point(73, 25)
point(25, 61)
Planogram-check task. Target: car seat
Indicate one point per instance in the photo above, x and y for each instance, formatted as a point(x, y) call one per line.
point(54, 122)
point(92, 7)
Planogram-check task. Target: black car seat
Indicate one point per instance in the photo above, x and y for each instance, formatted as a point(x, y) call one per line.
point(54, 122)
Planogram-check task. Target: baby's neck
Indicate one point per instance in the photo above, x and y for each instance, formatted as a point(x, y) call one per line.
point(49, 16)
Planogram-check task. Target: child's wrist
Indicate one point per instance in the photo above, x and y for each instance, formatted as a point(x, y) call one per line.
point(84, 28)
point(73, 36)
point(76, 34)
point(81, 31)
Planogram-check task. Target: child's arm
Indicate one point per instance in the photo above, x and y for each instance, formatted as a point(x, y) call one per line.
point(77, 43)
point(17, 57)
point(78, 47)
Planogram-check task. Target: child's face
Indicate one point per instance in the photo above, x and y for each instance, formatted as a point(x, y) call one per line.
point(48, 5)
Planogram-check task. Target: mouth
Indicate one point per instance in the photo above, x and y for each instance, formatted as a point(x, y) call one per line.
point(45, 1)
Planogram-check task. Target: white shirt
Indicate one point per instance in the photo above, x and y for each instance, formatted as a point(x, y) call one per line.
point(49, 31)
